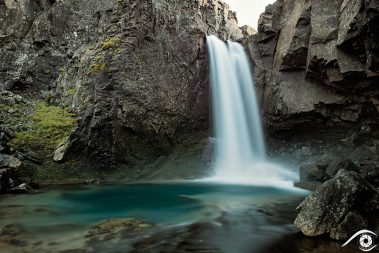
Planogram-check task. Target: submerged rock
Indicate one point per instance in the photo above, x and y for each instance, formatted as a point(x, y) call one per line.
point(14, 238)
point(333, 204)
point(117, 229)
point(12, 230)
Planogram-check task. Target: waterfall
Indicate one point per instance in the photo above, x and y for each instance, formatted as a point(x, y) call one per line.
point(240, 146)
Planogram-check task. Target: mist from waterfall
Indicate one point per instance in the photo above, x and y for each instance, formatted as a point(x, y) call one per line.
point(240, 146)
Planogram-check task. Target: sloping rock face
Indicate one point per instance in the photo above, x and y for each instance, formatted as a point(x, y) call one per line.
point(134, 71)
point(316, 63)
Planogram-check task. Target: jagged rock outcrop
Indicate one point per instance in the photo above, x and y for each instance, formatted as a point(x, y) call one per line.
point(316, 63)
point(314, 174)
point(134, 71)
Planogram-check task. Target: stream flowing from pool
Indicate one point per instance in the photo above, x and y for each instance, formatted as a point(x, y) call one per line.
point(240, 147)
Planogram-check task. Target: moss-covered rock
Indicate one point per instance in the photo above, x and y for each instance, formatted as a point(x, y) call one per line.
point(71, 91)
point(48, 126)
point(97, 65)
point(110, 43)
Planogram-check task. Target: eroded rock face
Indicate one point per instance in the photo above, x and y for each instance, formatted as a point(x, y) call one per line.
point(316, 63)
point(136, 72)
point(328, 210)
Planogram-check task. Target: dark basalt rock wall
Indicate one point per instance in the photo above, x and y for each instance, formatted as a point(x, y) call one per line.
point(135, 72)
point(316, 64)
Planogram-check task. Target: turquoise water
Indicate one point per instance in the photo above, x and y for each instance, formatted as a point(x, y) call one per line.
point(61, 214)
point(158, 203)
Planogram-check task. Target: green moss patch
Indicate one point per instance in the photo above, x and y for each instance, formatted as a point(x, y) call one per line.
point(96, 68)
point(71, 91)
point(97, 65)
point(48, 127)
point(110, 43)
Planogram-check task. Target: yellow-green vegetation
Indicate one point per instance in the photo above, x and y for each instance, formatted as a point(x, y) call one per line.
point(116, 51)
point(71, 91)
point(61, 71)
point(97, 65)
point(48, 127)
point(110, 43)
point(96, 68)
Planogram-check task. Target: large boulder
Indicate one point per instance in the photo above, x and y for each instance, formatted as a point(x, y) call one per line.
point(335, 203)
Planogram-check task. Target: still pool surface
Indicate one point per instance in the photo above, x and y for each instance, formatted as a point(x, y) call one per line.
point(64, 213)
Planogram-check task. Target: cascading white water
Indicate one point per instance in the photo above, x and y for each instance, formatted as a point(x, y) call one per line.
point(240, 145)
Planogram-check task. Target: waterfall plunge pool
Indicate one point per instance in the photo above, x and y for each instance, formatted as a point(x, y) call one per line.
point(59, 218)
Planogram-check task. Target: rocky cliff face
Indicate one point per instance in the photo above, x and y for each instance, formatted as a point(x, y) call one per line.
point(135, 72)
point(316, 63)
point(316, 66)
